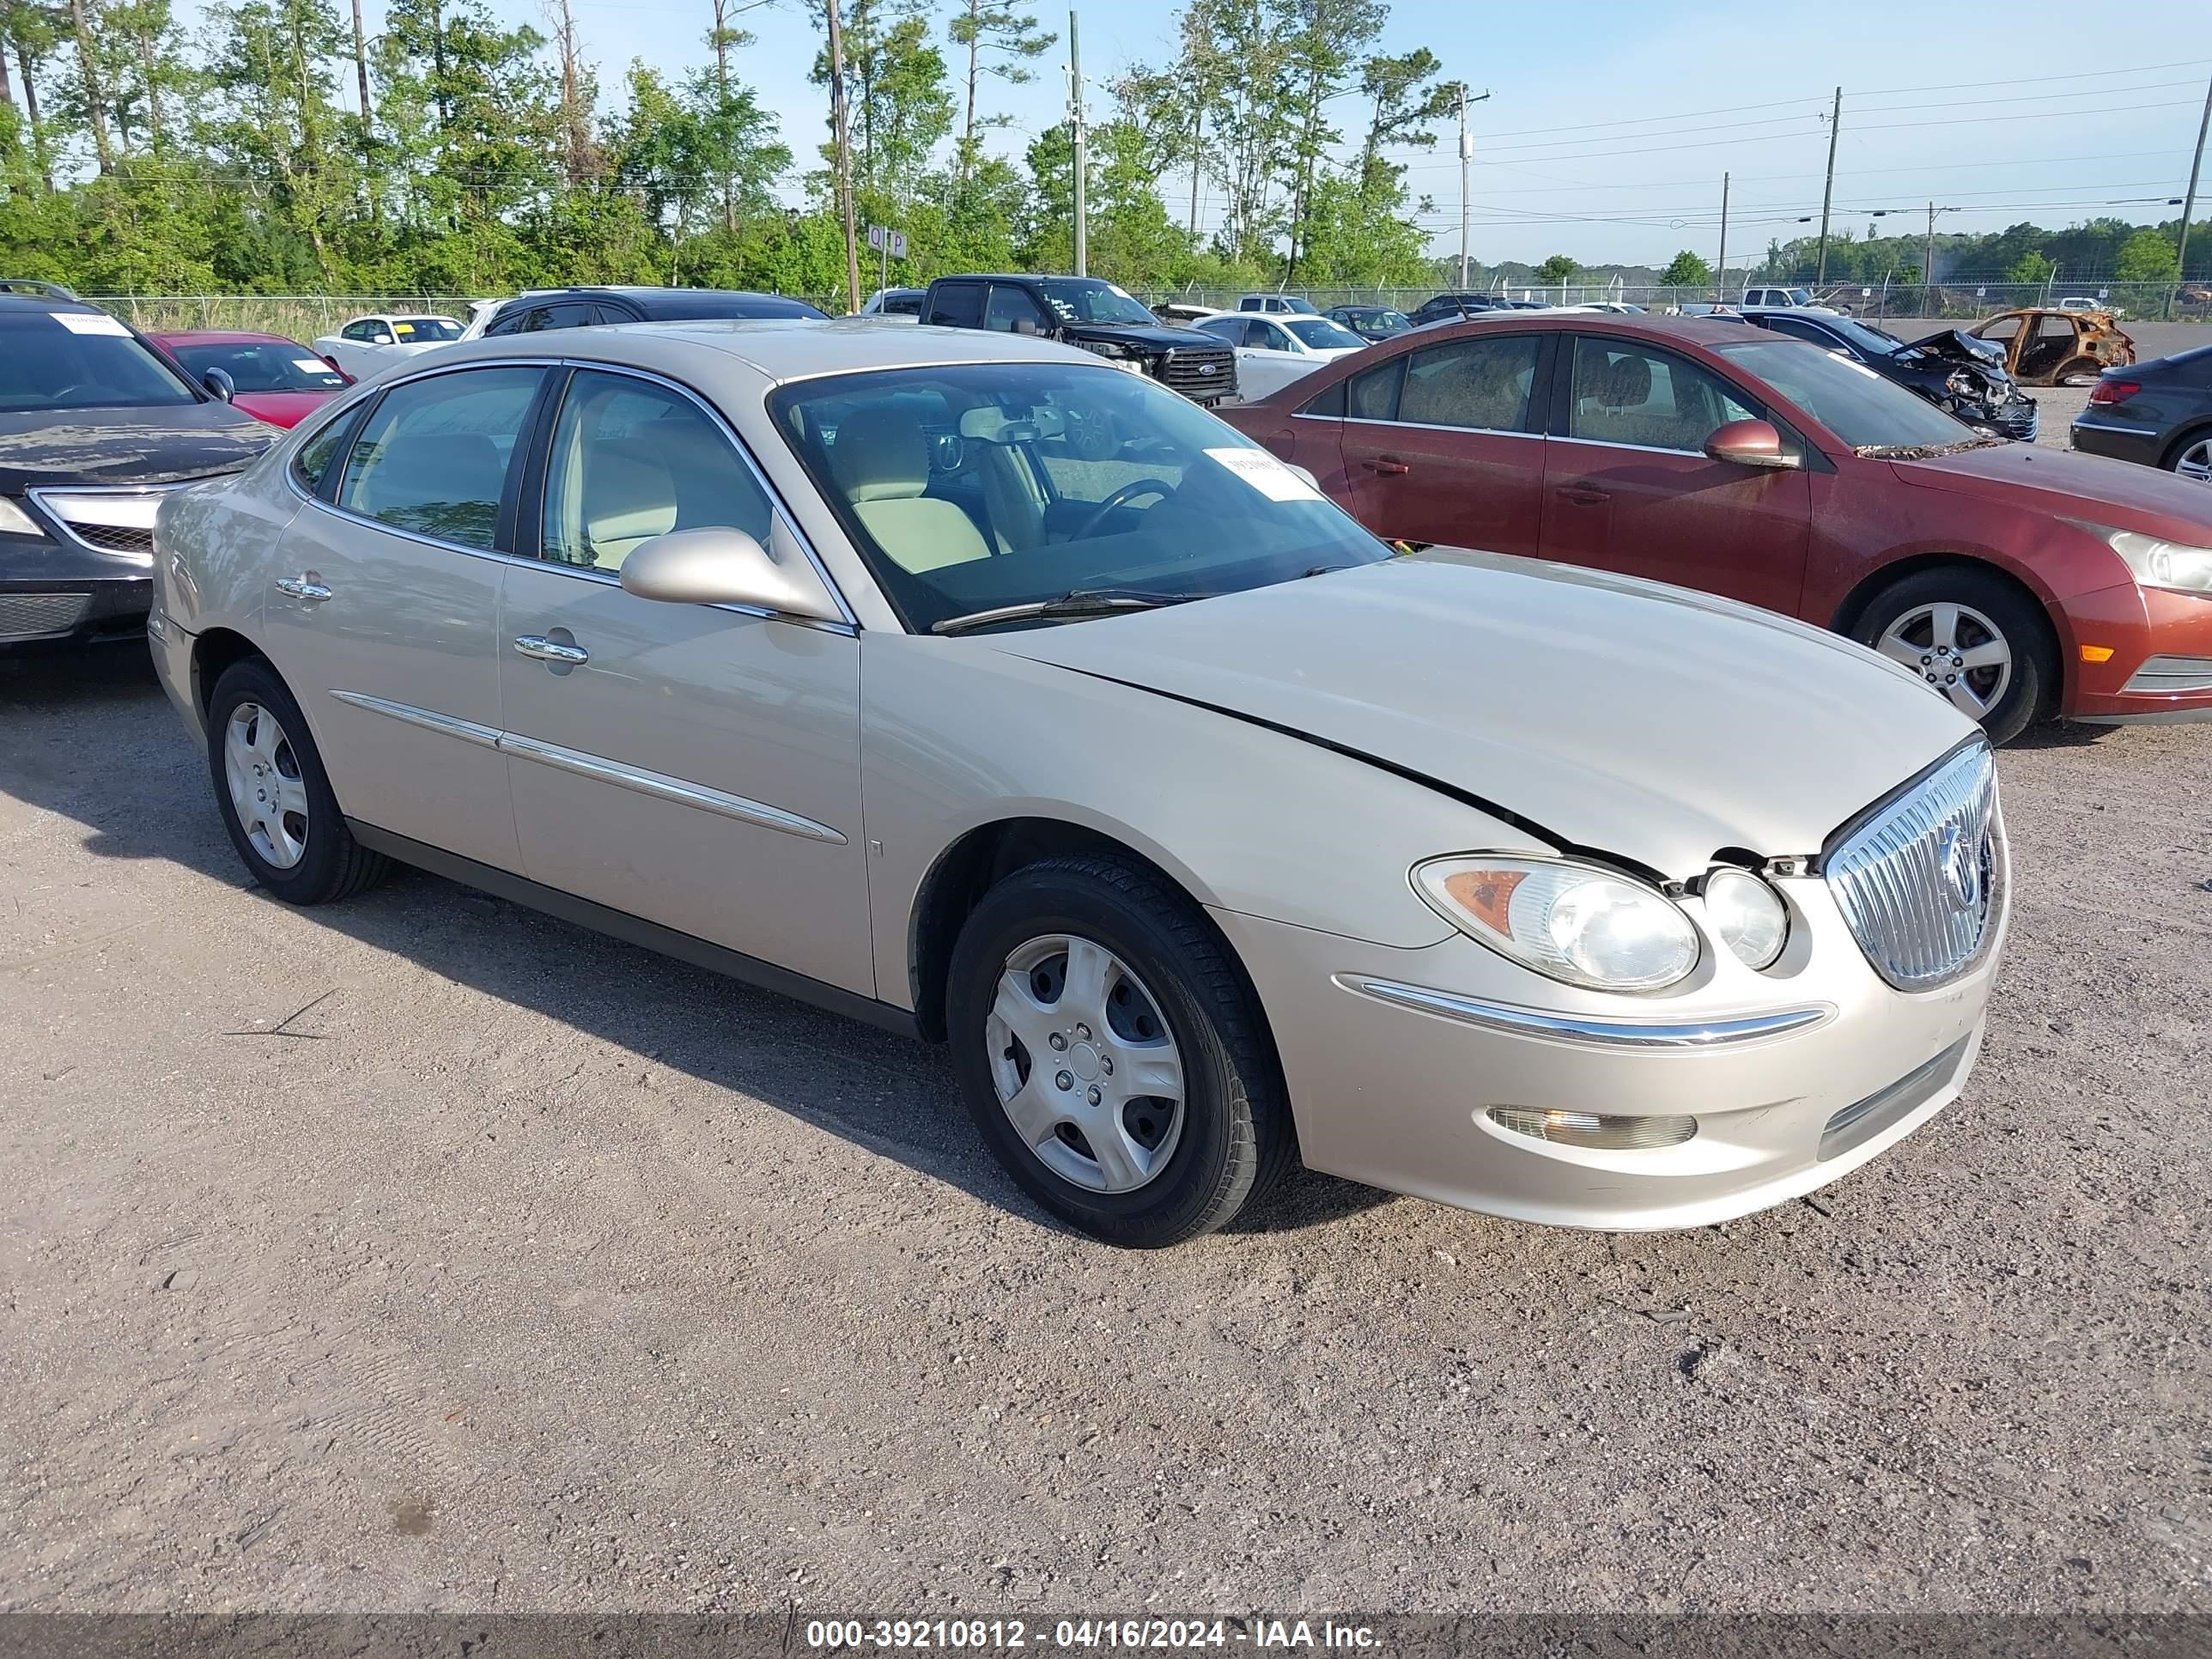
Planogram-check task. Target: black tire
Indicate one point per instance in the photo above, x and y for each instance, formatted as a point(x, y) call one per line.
point(2032, 692)
point(1236, 1137)
point(332, 865)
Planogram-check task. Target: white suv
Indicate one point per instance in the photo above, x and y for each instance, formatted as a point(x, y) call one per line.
point(1788, 298)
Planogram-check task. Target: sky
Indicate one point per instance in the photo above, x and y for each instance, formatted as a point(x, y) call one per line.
point(1609, 127)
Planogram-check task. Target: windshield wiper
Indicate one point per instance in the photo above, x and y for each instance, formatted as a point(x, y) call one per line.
point(1070, 606)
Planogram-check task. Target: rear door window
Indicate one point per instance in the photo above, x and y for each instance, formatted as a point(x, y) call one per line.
point(433, 458)
point(1482, 384)
point(956, 305)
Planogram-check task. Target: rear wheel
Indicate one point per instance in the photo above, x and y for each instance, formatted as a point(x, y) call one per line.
point(1974, 638)
point(1111, 1055)
point(274, 795)
point(2192, 458)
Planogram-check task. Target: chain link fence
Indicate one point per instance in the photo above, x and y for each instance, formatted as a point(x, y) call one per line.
point(297, 316)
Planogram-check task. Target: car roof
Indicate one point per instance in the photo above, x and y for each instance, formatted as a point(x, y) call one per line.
point(778, 349)
point(1660, 329)
point(13, 301)
point(219, 337)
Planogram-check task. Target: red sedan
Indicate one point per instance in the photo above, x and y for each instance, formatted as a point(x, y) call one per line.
point(2021, 583)
point(271, 378)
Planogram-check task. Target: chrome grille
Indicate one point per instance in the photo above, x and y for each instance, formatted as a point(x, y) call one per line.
point(27, 615)
point(113, 519)
point(1199, 371)
point(1920, 877)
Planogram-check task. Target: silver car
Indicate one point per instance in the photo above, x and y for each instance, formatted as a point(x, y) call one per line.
point(966, 685)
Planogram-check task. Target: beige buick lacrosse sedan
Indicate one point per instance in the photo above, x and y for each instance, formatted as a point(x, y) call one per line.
point(973, 687)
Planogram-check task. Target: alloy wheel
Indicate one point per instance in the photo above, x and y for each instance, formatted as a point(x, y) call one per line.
point(1084, 1065)
point(266, 790)
point(1956, 649)
point(2196, 461)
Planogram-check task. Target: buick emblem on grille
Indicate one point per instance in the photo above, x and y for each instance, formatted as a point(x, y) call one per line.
point(1961, 866)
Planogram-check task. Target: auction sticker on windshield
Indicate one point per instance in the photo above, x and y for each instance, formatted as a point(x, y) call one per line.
point(89, 322)
point(1265, 474)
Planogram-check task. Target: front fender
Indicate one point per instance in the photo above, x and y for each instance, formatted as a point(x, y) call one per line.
point(955, 736)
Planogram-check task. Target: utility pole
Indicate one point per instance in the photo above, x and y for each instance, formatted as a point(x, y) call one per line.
point(1466, 160)
point(844, 144)
point(1720, 275)
point(1828, 194)
point(1075, 116)
point(2189, 202)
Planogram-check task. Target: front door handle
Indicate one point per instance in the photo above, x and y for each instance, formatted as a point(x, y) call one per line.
point(1586, 495)
point(303, 587)
point(1387, 467)
point(541, 649)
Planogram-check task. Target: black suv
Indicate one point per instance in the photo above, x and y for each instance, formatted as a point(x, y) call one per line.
point(95, 427)
point(585, 307)
point(1086, 312)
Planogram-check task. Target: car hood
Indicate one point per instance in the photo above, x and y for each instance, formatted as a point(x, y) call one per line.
point(1647, 722)
point(282, 408)
point(1161, 336)
point(2068, 485)
point(1957, 346)
point(126, 445)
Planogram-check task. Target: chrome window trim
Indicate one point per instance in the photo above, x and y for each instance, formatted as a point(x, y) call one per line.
point(1654, 1036)
point(658, 785)
point(849, 626)
point(1421, 426)
point(1640, 449)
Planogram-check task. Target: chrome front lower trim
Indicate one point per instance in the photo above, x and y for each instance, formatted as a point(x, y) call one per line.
point(1584, 1028)
point(683, 791)
point(82, 512)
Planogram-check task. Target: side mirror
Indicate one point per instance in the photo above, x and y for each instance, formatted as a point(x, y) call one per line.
point(717, 565)
point(1028, 325)
point(219, 383)
point(1749, 443)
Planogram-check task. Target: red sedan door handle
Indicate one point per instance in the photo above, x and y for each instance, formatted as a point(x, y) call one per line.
point(1584, 495)
point(1387, 467)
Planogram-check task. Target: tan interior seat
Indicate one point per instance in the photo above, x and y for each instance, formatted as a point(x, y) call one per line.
point(630, 497)
point(881, 459)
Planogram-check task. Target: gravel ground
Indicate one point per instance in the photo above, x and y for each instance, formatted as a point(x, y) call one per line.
point(424, 1254)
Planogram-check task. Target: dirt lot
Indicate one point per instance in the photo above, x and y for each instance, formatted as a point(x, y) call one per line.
point(425, 1254)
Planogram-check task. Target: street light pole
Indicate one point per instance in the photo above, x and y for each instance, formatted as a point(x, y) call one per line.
point(844, 143)
point(1720, 275)
point(1075, 94)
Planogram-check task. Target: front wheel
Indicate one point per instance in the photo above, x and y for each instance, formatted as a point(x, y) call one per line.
point(274, 795)
point(1111, 1054)
point(1975, 638)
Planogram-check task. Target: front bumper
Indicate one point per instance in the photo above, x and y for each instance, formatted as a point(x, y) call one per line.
point(55, 595)
point(1397, 1095)
point(2160, 669)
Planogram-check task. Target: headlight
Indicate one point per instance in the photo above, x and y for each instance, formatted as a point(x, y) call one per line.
point(1574, 923)
point(2163, 564)
point(1748, 915)
point(1104, 348)
point(14, 521)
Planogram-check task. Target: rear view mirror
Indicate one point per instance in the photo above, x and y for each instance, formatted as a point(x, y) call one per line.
point(717, 565)
point(219, 384)
point(1749, 443)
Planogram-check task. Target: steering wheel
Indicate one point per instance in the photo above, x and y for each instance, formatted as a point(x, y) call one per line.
point(1121, 497)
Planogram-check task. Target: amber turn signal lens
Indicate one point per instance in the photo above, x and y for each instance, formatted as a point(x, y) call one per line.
point(1487, 895)
point(2096, 653)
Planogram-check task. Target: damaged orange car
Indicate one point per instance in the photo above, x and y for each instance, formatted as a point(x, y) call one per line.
point(2045, 346)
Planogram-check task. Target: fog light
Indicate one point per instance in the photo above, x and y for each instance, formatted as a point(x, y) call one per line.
point(1612, 1135)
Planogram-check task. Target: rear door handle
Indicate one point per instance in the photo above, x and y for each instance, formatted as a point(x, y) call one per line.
point(303, 587)
point(1387, 467)
point(1587, 495)
point(538, 647)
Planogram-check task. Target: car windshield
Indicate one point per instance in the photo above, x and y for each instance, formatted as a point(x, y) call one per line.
point(1087, 300)
point(57, 360)
point(970, 488)
point(1874, 342)
point(415, 331)
point(1859, 406)
point(1323, 335)
point(263, 365)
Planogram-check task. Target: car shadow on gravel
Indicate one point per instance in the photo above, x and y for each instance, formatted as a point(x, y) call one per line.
point(93, 737)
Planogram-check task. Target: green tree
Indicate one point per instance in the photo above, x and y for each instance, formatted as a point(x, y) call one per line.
point(999, 40)
point(1559, 267)
point(2031, 266)
point(2147, 257)
point(1686, 270)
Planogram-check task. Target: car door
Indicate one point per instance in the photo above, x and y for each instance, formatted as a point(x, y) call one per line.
point(1628, 486)
point(1444, 443)
point(382, 621)
point(1269, 359)
point(697, 766)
